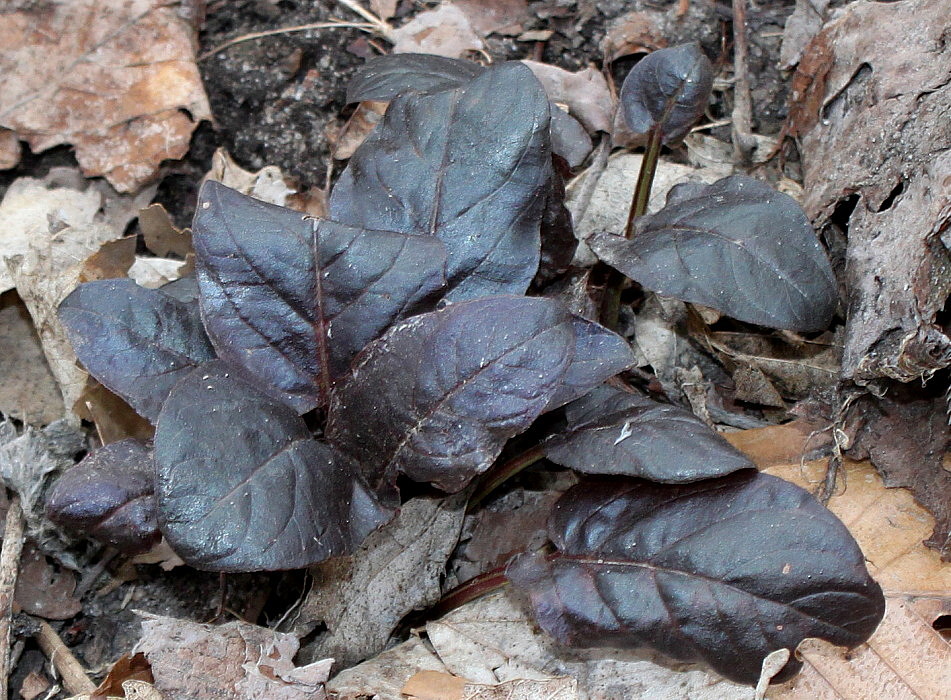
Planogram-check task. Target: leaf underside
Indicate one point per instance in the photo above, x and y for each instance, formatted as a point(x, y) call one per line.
point(242, 486)
point(470, 166)
point(439, 394)
point(723, 571)
point(290, 300)
point(137, 342)
point(738, 246)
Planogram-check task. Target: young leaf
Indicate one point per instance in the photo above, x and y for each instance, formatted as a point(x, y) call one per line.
point(723, 571)
point(599, 355)
point(470, 166)
point(439, 394)
point(109, 496)
point(242, 486)
point(137, 342)
point(668, 90)
point(385, 77)
point(738, 246)
point(290, 300)
point(615, 432)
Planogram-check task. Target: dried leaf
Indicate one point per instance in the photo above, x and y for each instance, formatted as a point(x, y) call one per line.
point(191, 661)
point(44, 589)
point(360, 124)
point(115, 419)
point(118, 82)
point(153, 273)
point(9, 150)
point(444, 31)
point(129, 667)
point(383, 676)
point(242, 486)
point(439, 394)
point(641, 31)
point(801, 26)
point(586, 93)
point(470, 166)
point(160, 234)
point(268, 184)
point(494, 16)
point(111, 261)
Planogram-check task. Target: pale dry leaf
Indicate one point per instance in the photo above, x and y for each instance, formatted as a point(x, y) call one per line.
point(444, 31)
point(523, 689)
point(33, 686)
point(434, 685)
point(118, 81)
point(803, 24)
point(268, 184)
point(28, 391)
point(495, 16)
point(586, 93)
point(384, 9)
point(237, 660)
point(640, 31)
point(132, 690)
point(491, 640)
point(161, 236)
point(398, 569)
point(384, 676)
point(9, 149)
point(363, 120)
point(153, 273)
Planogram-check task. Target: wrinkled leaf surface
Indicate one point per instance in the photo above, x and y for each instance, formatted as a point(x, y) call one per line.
point(470, 166)
point(439, 394)
point(611, 431)
point(138, 342)
point(738, 246)
point(109, 496)
point(723, 571)
point(669, 89)
point(242, 486)
point(291, 299)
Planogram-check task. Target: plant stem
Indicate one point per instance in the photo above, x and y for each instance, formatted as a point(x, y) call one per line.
point(481, 585)
point(611, 302)
point(501, 473)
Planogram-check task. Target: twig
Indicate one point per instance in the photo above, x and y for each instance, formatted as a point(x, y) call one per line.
point(9, 567)
point(74, 675)
point(381, 27)
point(743, 141)
point(334, 24)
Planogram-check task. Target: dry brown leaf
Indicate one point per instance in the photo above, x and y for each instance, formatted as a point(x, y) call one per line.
point(882, 127)
point(131, 690)
point(641, 31)
point(9, 149)
point(586, 93)
point(363, 120)
point(384, 9)
point(444, 31)
point(801, 26)
point(160, 234)
point(111, 261)
point(434, 685)
point(495, 16)
point(268, 184)
point(236, 660)
point(44, 589)
point(118, 81)
point(383, 676)
point(33, 686)
point(28, 391)
point(129, 667)
point(114, 418)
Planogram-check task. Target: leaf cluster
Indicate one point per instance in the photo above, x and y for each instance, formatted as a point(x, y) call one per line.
point(322, 360)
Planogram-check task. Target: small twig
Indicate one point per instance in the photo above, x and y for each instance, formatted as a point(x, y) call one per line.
point(288, 30)
point(381, 27)
point(92, 575)
point(72, 672)
point(9, 567)
point(743, 140)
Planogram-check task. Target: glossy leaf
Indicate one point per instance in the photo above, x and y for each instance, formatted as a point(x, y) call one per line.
point(470, 166)
point(611, 431)
point(722, 571)
point(439, 394)
point(669, 89)
point(738, 246)
point(599, 355)
point(109, 496)
point(558, 242)
point(242, 486)
point(385, 77)
point(137, 342)
point(290, 299)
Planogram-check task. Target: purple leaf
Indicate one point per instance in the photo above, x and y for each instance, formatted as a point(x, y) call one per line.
point(615, 432)
point(723, 571)
point(438, 395)
point(470, 166)
point(669, 89)
point(738, 246)
point(385, 77)
point(109, 496)
point(558, 242)
point(290, 299)
point(137, 342)
point(242, 486)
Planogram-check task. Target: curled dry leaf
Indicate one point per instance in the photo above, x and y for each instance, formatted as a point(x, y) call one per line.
point(586, 93)
point(611, 431)
point(738, 246)
point(117, 82)
point(723, 571)
point(444, 31)
point(242, 486)
point(290, 299)
point(470, 166)
point(109, 496)
point(268, 184)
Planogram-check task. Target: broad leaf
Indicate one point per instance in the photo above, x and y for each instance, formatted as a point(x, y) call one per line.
point(470, 166)
point(385, 77)
point(611, 431)
point(738, 246)
point(558, 242)
point(599, 355)
point(137, 342)
point(242, 486)
point(290, 299)
point(669, 89)
point(723, 571)
point(109, 496)
point(439, 394)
